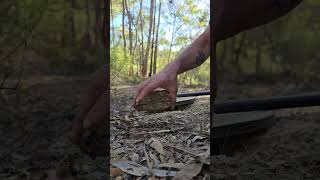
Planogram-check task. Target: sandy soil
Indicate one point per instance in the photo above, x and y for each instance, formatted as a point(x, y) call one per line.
point(178, 132)
point(288, 150)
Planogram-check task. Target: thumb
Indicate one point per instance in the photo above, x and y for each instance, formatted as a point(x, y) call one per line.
point(98, 113)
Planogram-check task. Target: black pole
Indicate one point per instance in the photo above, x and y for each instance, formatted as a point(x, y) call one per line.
point(201, 93)
point(268, 103)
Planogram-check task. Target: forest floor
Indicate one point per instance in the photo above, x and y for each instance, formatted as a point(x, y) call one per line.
point(35, 136)
point(288, 150)
point(163, 142)
point(36, 143)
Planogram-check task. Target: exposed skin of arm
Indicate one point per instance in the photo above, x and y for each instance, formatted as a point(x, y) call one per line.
point(231, 17)
point(191, 57)
point(194, 55)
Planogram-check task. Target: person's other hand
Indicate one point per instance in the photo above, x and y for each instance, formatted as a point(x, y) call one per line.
point(165, 79)
point(93, 106)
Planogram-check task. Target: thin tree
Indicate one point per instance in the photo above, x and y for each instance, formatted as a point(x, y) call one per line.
point(145, 60)
point(142, 43)
point(172, 36)
point(123, 32)
point(98, 23)
point(73, 29)
point(130, 22)
point(238, 50)
point(156, 43)
point(152, 41)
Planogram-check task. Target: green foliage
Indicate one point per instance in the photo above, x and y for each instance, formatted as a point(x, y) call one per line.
point(55, 30)
point(287, 46)
point(181, 22)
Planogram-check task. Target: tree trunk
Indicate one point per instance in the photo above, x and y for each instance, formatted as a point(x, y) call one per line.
point(86, 39)
point(142, 43)
point(112, 22)
point(156, 44)
point(172, 37)
point(258, 59)
point(130, 37)
point(238, 52)
point(130, 26)
point(152, 41)
point(98, 23)
point(145, 61)
point(123, 33)
point(88, 15)
point(73, 29)
point(223, 56)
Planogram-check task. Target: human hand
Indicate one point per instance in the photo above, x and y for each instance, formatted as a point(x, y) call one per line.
point(166, 79)
point(93, 106)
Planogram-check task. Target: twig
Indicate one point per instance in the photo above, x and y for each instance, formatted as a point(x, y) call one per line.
point(148, 162)
point(155, 132)
point(181, 149)
point(160, 131)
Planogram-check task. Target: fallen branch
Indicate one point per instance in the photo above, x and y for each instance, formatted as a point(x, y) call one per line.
point(148, 163)
point(181, 149)
point(159, 131)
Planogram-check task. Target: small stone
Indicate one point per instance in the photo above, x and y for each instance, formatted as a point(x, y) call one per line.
point(157, 101)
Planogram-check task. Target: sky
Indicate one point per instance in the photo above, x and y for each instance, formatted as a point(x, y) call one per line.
point(201, 4)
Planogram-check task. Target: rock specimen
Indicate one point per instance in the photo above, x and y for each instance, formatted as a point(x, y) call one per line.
point(157, 101)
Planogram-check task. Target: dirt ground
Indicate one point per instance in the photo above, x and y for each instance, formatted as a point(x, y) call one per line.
point(35, 142)
point(288, 150)
point(167, 140)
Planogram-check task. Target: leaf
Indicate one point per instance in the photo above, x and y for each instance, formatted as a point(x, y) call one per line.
point(172, 165)
point(163, 173)
point(139, 170)
point(131, 167)
point(189, 171)
point(154, 158)
point(156, 144)
point(134, 157)
point(115, 172)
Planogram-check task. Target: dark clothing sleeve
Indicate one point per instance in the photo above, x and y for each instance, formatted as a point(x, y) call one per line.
point(285, 5)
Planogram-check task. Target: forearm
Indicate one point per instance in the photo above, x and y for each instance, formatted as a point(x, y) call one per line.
point(194, 55)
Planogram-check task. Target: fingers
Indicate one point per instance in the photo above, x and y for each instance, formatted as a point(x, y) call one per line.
point(146, 90)
point(87, 100)
point(98, 113)
point(173, 98)
point(138, 91)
